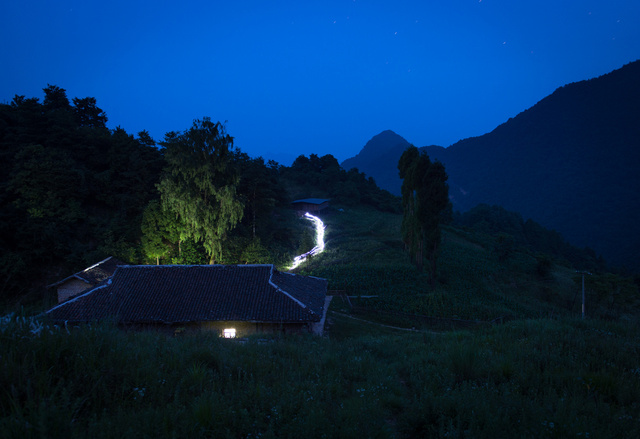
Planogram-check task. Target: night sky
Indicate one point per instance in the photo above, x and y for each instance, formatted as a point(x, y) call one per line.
point(302, 77)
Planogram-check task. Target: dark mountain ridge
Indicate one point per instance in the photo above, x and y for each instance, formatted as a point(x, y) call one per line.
point(375, 157)
point(570, 162)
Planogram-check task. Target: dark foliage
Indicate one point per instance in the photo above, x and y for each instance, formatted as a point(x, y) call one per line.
point(71, 190)
point(510, 229)
point(323, 177)
point(425, 198)
point(264, 230)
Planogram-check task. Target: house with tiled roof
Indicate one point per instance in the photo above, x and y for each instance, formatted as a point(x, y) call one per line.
point(86, 279)
point(235, 300)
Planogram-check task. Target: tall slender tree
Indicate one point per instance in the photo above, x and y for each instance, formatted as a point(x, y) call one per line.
point(259, 189)
point(433, 197)
point(425, 197)
point(411, 232)
point(199, 185)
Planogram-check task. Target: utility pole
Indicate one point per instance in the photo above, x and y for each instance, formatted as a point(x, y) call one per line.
point(583, 273)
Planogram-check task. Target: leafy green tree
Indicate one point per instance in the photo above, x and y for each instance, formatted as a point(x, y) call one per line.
point(48, 190)
point(425, 199)
point(190, 253)
point(60, 122)
point(160, 232)
point(255, 253)
point(71, 190)
point(199, 185)
point(47, 184)
point(433, 202)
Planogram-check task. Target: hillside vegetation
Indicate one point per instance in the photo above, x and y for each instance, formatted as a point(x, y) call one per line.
point(497, 348)
point(569, 163)
point(543, 373)
point(477, 280)
point(73, 192)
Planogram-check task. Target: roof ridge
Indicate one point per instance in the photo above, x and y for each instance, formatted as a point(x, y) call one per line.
point(74, 275)
point(94, 265)
point(284, 292)
point(105, 285)
point(78, 274)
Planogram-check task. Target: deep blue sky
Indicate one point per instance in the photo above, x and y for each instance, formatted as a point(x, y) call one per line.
point(301, 77)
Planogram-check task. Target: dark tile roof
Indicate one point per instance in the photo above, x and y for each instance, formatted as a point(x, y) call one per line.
point(96, 273)
point(298, 287)
point(192, 293)
point(101, 271)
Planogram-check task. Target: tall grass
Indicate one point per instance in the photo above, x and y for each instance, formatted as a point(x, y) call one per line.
point(364, 256)
point(542, 378)
point(533, 376)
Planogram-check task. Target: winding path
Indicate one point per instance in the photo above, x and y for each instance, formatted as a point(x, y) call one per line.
point(319, 248)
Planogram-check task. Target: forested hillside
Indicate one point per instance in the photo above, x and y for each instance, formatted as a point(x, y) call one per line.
point(73, 192)
point(570, 163)
point(491, 335)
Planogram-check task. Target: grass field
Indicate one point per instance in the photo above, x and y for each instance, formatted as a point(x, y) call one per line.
point(544, 372)
point(364, 257)
point(526, 378)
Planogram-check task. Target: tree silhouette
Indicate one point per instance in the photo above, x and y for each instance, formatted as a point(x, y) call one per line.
point(425, 197)
point(199, 185)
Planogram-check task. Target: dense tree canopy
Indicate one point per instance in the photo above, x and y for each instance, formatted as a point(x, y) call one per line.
point(322, 177)
point(159, 232)
point(425, 198)
point(199, 186)
point(71, 190)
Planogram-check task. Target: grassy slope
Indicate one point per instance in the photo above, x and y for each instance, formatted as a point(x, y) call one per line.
point(530, 377)
point(365, 257)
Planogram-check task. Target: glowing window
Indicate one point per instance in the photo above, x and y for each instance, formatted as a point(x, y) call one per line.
point(229, 333)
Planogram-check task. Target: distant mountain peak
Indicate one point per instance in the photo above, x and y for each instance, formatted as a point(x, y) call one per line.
point(376, 156)
point(387, 133)
point(569, 163)
point(379, 145)
point(385, 141)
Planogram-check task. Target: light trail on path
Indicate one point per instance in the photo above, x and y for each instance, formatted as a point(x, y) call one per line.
point(319, 248)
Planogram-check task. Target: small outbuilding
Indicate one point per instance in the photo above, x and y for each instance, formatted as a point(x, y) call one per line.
point(310, 205)
point(234, 300)
point(86, 279)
